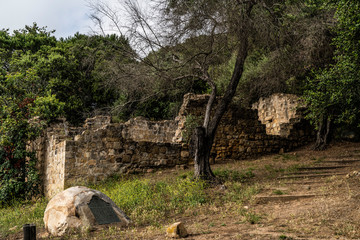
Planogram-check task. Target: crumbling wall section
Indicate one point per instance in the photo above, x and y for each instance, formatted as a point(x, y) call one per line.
point(240, 133)
point(79, 155)
point(74, 156)
point(279, 113)
point(96, 154)
point(141, 129)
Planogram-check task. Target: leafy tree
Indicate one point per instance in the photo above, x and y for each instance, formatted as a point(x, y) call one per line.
point(41, 79)
point(19, 105)
point(333, 94)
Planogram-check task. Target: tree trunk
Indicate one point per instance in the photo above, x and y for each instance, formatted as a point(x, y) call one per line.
point(204, 135)
point(202, 155)
point(323, 136)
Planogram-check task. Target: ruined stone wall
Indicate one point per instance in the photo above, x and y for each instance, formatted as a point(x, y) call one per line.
point(141, 129)
point(98, 153)
point(51, 154)
point(241, 135)
point(75, 156)
point(279, 113)
point(79, 155)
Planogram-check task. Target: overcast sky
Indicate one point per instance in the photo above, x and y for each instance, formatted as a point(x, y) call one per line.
point(65, 16)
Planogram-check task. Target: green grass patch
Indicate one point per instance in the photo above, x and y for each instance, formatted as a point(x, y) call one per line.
point(250, 216)
point(278, 192)
point(13, 217)
point(284, 237)
point(234, 175)
point(240, 192)
point(149, 203)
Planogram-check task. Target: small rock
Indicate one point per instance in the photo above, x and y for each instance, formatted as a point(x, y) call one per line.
point(353, 174)
point(13, 228)
point(222, 187)
point(44, 235)
point(177, 230)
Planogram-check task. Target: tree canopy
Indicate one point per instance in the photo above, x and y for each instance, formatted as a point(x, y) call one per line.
point(333, 92)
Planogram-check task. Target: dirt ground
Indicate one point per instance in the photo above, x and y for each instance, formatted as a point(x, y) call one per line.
point(317, 199)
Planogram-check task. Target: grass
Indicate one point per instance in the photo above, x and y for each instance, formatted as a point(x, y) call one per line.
point(149, 201)
point(234, 175)
point(284, 237)
point(278, 192)
point(13, 217)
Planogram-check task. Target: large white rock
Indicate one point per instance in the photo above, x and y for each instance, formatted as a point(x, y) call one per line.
point(81, 208)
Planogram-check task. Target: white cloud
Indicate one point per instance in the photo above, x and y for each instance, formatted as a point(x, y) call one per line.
point(65, 16)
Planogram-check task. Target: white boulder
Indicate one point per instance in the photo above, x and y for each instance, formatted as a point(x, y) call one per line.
point(81, 208)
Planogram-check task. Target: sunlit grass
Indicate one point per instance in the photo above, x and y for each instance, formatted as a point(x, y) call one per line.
point(13, 217)
point(148, 201)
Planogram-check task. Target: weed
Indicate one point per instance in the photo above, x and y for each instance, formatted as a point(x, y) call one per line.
point(233, 175)
point(278, 192)
point(250, 216)
point(188, 174)
point(273, 172)
point(318, 160)
point(293, 168)
point(238, 192)
point(346, 230)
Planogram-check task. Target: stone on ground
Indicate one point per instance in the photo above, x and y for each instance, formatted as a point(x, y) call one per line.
point(177, 230)
point(81, 208)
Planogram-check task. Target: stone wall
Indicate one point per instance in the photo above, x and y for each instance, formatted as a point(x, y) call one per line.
point(97, 153)
point(51, 152)
point(279, 113)
point(78, 155)
point(241, 135)
point(99, 149)
point(141, 129)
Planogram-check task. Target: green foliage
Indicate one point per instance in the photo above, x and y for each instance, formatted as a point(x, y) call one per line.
point(222, 74)
point(284, 237)
point(333, 92)
point(48, 107)
point(278, 192)
point(42, 79)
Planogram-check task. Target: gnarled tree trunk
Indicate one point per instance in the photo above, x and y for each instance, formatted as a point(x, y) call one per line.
point(202, 155)
point(324, 132)
point(204, 135)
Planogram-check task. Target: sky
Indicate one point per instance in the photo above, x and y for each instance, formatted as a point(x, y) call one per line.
point(65, 16)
